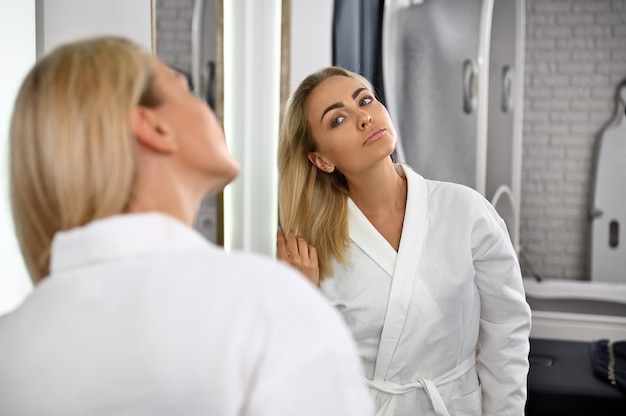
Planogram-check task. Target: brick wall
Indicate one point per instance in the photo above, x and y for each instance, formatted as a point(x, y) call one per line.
point(575, 57)
point(173, 26)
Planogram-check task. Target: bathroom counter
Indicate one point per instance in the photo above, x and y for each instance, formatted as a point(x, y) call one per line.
point(561, 382)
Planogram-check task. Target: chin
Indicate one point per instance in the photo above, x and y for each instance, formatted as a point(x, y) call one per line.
point(220, 179)
point(233, 172)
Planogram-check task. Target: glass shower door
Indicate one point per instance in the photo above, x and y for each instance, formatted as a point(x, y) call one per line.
point(432, 62)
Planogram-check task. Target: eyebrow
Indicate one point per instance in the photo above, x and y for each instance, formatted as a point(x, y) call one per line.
point(357, 92)
point(340, 104)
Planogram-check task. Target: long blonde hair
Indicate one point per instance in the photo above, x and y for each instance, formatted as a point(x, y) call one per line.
point(312, 203)
point(72, 152)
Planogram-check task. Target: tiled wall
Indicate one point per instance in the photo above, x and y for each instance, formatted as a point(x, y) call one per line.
point(575, 57)
point(173, 24)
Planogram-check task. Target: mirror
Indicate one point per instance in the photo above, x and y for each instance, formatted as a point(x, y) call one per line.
point(189, 37)
point(575, 55)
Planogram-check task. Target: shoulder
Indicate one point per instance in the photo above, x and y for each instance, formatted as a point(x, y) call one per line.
point(284, 291)
point(457, 202)
point(276, 293)
point(438, 191)
point(456, 197)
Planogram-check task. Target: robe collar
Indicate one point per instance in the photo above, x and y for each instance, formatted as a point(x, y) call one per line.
point(118, 237)
point(401, 265)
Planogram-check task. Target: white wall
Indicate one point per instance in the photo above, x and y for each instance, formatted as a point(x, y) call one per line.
point(311, 38)
point(65, 20)
point(29, 27)
point(17, 54)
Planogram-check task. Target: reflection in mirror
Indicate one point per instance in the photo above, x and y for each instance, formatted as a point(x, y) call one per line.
point(575, 57)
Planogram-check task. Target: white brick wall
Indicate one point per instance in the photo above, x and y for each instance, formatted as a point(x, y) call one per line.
point(173, 25)
point(575, 57)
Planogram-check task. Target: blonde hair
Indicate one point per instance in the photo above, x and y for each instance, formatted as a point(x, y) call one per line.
point(312, 203)
point(72, 152)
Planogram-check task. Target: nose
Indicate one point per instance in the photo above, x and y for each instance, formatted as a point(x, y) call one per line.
point(364, 120)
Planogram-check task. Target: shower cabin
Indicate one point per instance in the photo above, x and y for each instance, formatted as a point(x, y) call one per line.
point(451, 75)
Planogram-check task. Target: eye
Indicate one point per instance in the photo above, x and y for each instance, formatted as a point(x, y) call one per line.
point(336, 121)
point(366, 100)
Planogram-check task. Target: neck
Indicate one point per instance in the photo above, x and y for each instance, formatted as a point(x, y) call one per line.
point(379, 189)
point(159, 189)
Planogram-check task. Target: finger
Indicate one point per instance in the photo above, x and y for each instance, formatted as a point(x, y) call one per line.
point(303, 247)
point(313, 255)
point(281, 246)
point(313, 272)
point(292, 245)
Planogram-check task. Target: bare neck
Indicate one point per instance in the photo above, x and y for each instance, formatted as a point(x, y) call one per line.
point(159, 188)
point(379, 190)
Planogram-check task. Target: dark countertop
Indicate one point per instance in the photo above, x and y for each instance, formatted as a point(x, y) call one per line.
point(561, 382)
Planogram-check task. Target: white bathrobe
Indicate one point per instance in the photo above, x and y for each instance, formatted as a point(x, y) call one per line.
point(142, 316)
point(442, 324)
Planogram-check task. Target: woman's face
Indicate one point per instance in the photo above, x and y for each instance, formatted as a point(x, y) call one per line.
point(352, 130)
point(201, 148)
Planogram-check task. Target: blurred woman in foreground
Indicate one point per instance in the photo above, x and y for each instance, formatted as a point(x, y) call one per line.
point(135, 313)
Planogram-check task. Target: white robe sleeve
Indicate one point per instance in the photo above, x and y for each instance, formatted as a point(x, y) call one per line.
point(505, 318)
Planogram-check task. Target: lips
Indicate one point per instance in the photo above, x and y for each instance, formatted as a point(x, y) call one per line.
point(374, 135)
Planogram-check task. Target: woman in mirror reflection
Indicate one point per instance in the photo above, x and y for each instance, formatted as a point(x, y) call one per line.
point(423, 272)
point(134, 312)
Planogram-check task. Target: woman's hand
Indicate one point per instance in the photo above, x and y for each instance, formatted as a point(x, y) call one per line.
point(294, 250)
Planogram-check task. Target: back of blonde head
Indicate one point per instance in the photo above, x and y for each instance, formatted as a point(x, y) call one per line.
point(312, 203)
point(72, 152)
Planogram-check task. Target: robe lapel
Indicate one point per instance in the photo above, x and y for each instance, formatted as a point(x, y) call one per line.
point(365, 235)
point(404, 273)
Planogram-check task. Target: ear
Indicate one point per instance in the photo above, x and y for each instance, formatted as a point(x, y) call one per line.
point(319, 162)
point(152, 131)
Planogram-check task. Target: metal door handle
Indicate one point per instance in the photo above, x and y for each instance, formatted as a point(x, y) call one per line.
point(470, 80)
point(507, 89)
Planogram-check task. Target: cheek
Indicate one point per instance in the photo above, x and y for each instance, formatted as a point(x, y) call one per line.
point(334, 149)
point(392, 132)
point(201, 134)
point(384, 115)
point(207, 128)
